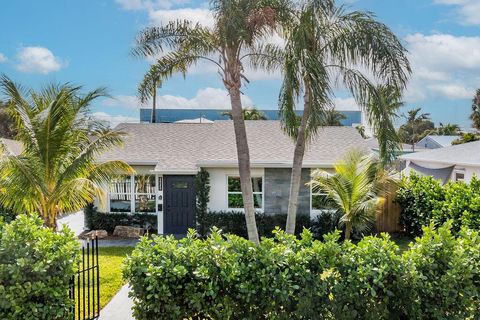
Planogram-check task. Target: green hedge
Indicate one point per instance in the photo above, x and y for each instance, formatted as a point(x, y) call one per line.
point(233, 222)
point(35, 270)
point(95, 220)
point(285, 277)
point(424, 199)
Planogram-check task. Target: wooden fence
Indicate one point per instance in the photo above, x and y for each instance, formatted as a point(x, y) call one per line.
point(389, 214)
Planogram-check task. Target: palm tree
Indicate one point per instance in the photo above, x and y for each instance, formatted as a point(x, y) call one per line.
point(7, 124)
point(448, 129)
point(414, 121)
point(248, 114)
point(58, 169)
point(355, 191)
point(332, 117)
point(385, 106)
point(236, 37)
point(148, 89)
point(475, 116)
point(326, 45)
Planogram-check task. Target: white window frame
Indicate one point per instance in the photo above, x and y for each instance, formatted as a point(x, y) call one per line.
point(132, 201)
point(314, 212)
point(254, 193)
point(149, 194)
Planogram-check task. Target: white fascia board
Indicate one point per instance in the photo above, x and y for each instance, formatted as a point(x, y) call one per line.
point(173, 171)
point(459, 163)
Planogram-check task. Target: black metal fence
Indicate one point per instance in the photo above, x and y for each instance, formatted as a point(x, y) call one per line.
point(85, 284)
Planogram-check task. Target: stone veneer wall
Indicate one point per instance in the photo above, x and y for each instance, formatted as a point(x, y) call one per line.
point(277, 188)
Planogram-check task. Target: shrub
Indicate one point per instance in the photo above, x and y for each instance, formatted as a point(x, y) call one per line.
point(233, 222)
point(461, 205)
point(285, 277)
point(35, 270)
point(95, 220)
point(418, 196)
point(424, 199)
point(202, 190)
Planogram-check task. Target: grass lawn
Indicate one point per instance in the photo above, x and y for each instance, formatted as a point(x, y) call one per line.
point(110, 261)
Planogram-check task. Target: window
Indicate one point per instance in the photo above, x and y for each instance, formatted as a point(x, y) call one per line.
point(234, 192)
point(135, 193)
point(121, 194)
point(319, 200)
point(459, 175)
point(145, 192)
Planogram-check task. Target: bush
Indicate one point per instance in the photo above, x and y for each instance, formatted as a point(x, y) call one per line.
point(424, 199)
point(285, 277)
point(233, 222)
point(95, 220)
point(418, 196)
point(35, 270)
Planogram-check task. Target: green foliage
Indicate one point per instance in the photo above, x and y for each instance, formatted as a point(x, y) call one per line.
point(418, 196)
point(7, 123)
point(424, 199)
point(475, 115)
point(233, 222)
point(95, 220)
point(58, 170)
point(418, 125)
point(285, 277)
point(202, 189)
point(465, 138)
point(332, 117)
point(35, 270)
point(248, 114)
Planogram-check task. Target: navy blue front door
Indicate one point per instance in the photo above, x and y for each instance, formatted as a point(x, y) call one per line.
point(179, 204)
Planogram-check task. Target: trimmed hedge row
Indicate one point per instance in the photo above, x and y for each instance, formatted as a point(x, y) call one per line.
point(35, 270)
point(95, 220)
point(285, 277)
point(424, 199)
point(233, 222)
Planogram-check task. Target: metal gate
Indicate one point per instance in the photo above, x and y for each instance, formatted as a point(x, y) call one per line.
point(85, 284)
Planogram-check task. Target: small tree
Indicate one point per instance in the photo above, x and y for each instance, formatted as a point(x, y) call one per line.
point(248, 114)
point(202, 189)
point(58, 170)
point(475, 116)
point(355, 190)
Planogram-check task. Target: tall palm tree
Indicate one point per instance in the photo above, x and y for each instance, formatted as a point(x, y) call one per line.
point(239, 27)
point(414, 120)
point(248, 114)
point(58, 170)
point(332, 117)
point(147, 89)
point(385, 106)
point(328, 46)
point(475, 116)
point(355, 191)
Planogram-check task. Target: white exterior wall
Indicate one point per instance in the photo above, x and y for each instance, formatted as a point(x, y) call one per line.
point(218, 186)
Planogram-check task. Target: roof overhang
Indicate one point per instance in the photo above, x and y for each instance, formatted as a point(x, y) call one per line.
point(259, 164)
point(443, 162)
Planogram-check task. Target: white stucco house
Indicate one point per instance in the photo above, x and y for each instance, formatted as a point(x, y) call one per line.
point(166, 157)
point(458, 162)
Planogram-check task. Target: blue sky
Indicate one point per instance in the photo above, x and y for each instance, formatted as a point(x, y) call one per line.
point(88, 43)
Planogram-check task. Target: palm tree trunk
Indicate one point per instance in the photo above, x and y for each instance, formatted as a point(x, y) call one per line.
point(154, 103)
point(296, 175)
point(348, 230)
point(232, 84)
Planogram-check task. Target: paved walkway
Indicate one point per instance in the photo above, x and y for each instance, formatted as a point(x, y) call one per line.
point(119, 308)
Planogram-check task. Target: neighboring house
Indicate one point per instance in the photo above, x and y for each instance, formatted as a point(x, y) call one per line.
point(353, 117)
point(435, 142)
point(166, 157)
point(404, 148)
point(458, 163)
point(13, 146)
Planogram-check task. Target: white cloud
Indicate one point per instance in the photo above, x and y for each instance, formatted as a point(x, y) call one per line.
point(201, 15)
point(114, 120)
point(345, 104)
point(38, 60)
point(467, 10)
point(123, 101)
point(3, 58)
point(444, 66)
point(148, 4)
point(207, 98)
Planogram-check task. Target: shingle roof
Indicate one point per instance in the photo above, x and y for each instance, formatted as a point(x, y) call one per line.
point(442, 141)
point(185, 146)
point(467, 154)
